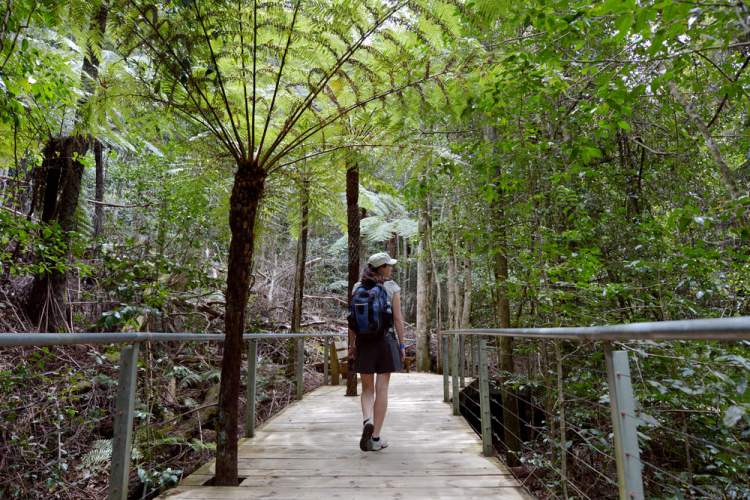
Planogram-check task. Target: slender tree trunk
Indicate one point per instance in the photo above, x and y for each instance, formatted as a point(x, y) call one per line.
point(436, 294)
point(404, 264)
point(459, 291)
point(99, 195)
point(466, 314)
point(299, 277)
point(391, 246)
point(299, 274)
point(439, 320)
point(424, 288)
point(512, 427)
point(561, 412)
point(352, 220)
point(633, 171)
point(249, 184)
point(505, 344)
point(451, 285)
point(713, 148)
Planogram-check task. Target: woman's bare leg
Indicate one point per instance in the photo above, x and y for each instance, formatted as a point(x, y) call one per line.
point(368, 394)
point(381, 401)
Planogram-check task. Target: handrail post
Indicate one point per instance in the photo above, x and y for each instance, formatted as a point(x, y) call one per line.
point(624, 424)
point(252, 362)
point(462, 360)
point(446, 367)
point(454, 374)
point(473, 359)
point(476, 358)
point(300, 371)
point(325, 361)
point(335, 367)
point(484, 400)
point(123, 425)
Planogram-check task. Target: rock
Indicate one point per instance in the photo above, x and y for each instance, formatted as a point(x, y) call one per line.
point(207, 415)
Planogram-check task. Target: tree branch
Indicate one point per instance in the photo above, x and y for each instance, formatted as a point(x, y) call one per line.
point(710, 143)
point(659, 58)
point(224, 136)
point(116, 205)
point(317, 128)
point(726, 96)
point(220, 80)
point(16, 35)
point(255, 60)
point(278, 76)
point(244, 79)
point(331, 150)
point(300, 109)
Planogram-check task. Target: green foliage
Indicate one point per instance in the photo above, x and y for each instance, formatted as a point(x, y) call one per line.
point(20, 237)
point(545, 131)
point(266, 78)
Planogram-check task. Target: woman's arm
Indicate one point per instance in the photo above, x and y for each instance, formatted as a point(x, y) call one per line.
point(398, 320)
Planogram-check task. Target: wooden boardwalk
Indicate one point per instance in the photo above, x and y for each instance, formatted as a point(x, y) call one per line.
point(311, 451)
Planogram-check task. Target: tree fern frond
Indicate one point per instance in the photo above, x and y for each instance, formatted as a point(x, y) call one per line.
point(100, 453)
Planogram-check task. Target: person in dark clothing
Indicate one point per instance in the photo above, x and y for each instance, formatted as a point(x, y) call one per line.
point(375, 359)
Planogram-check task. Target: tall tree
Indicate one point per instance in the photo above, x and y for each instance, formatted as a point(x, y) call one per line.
point(301, 256)
point(512, 425)
point(353, 245)
point(265, 79)
point(424, 285)
point(296, 346)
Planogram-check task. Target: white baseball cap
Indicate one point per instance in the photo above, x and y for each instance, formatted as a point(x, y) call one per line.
point(379, 259)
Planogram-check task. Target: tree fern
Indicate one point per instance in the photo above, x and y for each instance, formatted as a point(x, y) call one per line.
point(265, 80)
point(336, 57)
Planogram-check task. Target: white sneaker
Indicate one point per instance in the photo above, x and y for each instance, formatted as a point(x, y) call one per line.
point(378, 445)
point(366, 439)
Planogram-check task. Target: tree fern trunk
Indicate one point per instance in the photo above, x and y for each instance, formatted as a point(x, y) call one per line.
point(353, 218)
point(62, 172)
point(249, 184)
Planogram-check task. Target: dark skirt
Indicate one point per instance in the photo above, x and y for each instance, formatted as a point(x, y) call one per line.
point(378, 355)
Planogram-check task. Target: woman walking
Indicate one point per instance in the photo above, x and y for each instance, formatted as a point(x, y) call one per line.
point(376, 356)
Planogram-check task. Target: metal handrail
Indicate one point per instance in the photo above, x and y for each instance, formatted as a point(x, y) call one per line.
point(128, 373)
point(737, 328)
point(40, 339)
point(622, 400)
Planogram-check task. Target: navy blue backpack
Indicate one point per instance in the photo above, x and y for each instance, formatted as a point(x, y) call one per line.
point(370, 314)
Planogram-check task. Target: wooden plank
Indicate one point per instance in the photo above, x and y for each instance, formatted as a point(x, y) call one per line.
point(383, 481)
point(285, 452)
point(311, 450)
point(376, 493)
